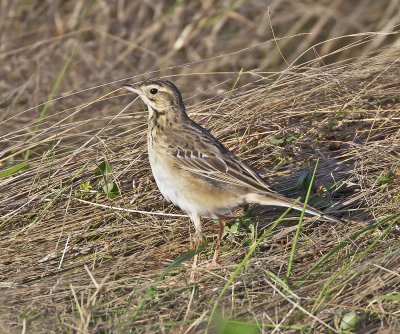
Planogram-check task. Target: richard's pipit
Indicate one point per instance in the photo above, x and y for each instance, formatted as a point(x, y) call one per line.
point(193, 169)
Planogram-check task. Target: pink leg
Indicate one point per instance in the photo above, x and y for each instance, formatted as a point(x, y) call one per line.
point(220, 232)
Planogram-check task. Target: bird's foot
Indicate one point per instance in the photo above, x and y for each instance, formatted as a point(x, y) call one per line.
point(198, 239)
point(213, 265)
point(214, 262)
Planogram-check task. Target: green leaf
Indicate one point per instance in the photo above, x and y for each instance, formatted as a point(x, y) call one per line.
point(234, 228)
point(275, 140)
point(106, 182)
point(236, 327)
point(14, 169)
point(103, 169)
point(350, 321)
point(110, 189)
point(304, 181)
point(387, 179)
point(280, 141)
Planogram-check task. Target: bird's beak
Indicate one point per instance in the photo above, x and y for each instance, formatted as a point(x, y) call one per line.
point(133, 88)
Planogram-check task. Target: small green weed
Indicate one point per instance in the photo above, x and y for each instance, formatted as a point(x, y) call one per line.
point(106, 183)
point(242, 224)
point(281, 141)
point(388, 178)
point(85, 186)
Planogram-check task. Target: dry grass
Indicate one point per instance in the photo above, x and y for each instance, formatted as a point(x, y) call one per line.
point(72, 263)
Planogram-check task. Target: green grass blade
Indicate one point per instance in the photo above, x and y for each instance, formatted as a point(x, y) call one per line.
point(389, 297)
point(237, 270)
point(283, 284)
point(342, 271)
point(12, 170)
point(349, 240)
point(296, 237)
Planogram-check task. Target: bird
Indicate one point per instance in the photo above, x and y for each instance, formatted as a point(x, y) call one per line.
point(194, 170)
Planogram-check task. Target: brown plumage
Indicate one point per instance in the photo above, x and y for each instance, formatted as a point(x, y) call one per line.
point(193, 169)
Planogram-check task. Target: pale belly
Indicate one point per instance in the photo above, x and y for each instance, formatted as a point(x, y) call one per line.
point(194, 195)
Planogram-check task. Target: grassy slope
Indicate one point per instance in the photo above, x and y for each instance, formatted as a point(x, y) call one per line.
point(68, 263)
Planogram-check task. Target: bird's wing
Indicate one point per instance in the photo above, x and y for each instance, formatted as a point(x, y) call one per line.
point(204, 155)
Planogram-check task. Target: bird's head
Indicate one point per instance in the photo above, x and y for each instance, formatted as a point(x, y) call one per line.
point(160, 96)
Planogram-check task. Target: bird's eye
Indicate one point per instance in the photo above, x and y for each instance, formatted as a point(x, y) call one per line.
point(154, 91)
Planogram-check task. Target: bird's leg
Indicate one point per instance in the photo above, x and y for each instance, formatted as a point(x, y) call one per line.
point(220, 232)
point(192, 277)
point(197, 241)
point(198, 235)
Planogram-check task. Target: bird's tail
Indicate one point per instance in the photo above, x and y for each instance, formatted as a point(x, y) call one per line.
point(278, 200)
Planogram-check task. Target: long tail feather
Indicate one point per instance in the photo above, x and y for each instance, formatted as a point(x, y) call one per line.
point(277, 200)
